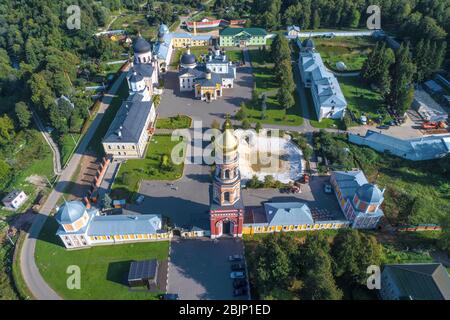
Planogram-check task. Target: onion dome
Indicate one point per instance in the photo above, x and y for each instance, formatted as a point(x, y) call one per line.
point(227, 142)
point(141, 46)
point(369, 193)
point(70, 212)
point(187, 59)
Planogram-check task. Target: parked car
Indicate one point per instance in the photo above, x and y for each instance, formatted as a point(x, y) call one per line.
point(237, 275)
point(140, 199)
point(237, 267)
point(384, 126)
point(327, 188)
point(235, 258)
point(239, 283)
point(240, 292)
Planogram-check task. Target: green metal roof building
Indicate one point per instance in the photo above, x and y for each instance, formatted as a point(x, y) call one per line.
point(415, 281)
point(243, 37)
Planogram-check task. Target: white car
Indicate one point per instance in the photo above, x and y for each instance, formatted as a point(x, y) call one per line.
point(140, 199)
point(237, 275)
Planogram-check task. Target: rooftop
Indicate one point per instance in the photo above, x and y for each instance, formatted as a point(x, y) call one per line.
point(421, 281)
point(124, 224)
point(235, 31)
point(130, 120)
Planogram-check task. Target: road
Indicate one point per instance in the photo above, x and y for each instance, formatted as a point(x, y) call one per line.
point(38, 287)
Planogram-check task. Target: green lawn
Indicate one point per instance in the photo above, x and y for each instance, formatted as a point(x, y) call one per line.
point(96, 142)
point(67, 146)
point(234, 55)
point(353, 51)
point(134, 23)
point(149, 168)
point(361, 99)
point(104, 269)
point(176, 122)
point(266, 83)
point(197, 51)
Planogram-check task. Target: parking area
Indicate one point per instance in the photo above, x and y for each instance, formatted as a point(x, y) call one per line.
point(199, 269)
point(313, 194)
point(409, 129)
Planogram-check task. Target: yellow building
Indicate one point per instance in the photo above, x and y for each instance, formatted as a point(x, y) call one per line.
point(285, 217)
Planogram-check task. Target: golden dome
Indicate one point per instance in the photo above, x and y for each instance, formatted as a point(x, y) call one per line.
point(227, 141)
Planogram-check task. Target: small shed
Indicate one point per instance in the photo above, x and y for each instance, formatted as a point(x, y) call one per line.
point(143, 273)
point(14, 199)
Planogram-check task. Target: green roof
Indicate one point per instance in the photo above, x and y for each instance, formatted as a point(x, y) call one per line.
point(235, 31)
point(427, 281)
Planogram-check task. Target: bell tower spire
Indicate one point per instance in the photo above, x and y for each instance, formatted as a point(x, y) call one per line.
point(226, 201)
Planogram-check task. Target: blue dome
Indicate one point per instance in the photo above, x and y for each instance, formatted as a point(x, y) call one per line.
point(70, 212)
point(187, 59)
point(141, 46)
point(369, 193)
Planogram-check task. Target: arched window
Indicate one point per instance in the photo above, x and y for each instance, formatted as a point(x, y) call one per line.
point(227, 174)
point(226, 197)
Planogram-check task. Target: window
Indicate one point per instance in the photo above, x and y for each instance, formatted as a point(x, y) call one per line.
point(109, 147)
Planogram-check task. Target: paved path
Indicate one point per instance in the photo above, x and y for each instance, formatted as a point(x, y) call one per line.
point(56, 155)
point(38, 287)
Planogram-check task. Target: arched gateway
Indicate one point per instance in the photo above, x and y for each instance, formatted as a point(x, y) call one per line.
point(227, 209)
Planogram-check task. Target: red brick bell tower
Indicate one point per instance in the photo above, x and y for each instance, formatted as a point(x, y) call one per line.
point(227, 209)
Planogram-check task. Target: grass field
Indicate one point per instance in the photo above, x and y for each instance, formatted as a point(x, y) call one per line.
point(149, 168)
point(361, 99)
point(96, 142)
point(197, 51)
point(176, 122)
point(67, 146)
point(353, 51)
point(134, 23)
point(266, 83)
point(104, 269)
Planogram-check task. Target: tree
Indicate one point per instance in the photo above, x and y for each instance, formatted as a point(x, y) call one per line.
point(314, 268)
point(258, 127)
point(316, 20)
point(352, 253)
point(241, 114)
point(23, 114)
point(6, 130)
point(246, 124)
point(318, 283)
point(285, 98)
point(402, 72)
point(272, 264)
point(4, 173)
point(444, 239)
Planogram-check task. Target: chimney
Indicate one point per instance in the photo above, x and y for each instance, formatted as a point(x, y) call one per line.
point(208, 75)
